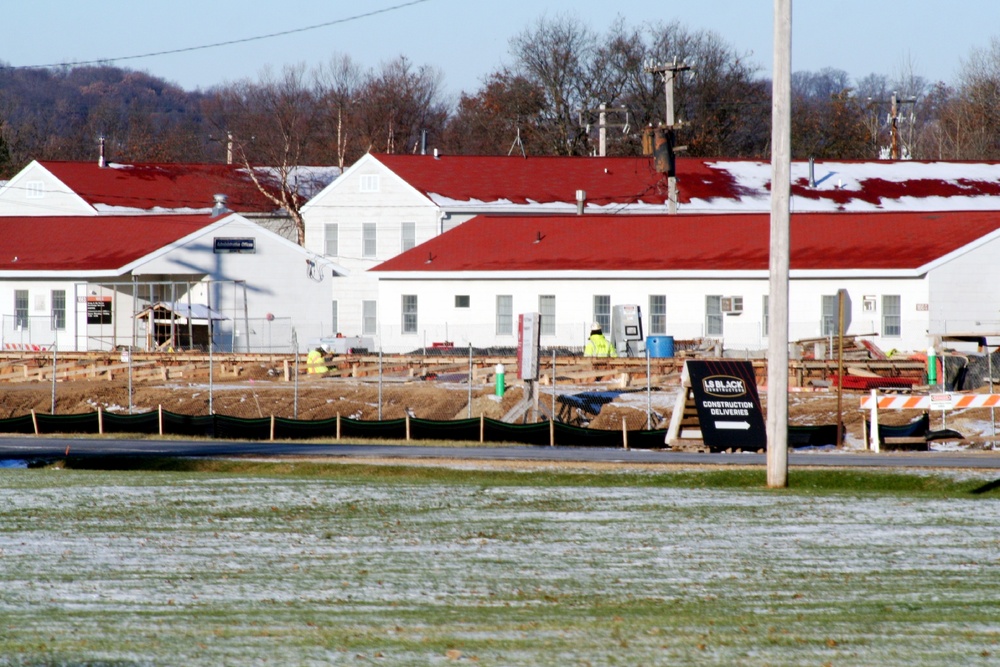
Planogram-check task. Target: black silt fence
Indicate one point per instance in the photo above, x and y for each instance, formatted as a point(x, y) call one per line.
point(465, 430)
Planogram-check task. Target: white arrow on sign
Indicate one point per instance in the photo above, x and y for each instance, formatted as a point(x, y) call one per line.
point(733, 426)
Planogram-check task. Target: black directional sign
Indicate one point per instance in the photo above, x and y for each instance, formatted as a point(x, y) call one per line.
point(729, 410)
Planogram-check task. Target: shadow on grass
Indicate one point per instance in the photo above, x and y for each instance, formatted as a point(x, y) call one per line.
point(986, 488)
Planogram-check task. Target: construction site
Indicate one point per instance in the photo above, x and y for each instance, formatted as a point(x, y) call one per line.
point(633, 393)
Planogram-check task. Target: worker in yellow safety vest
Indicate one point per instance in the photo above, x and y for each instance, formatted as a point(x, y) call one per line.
point(315, 360)
point(597, 345)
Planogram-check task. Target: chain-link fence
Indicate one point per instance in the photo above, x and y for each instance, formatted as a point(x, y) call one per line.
point(29, 332)
point(734, 337)
point(449, 384)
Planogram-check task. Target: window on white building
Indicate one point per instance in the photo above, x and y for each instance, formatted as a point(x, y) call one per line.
point(34, 190)
point(713, 315)
point(335, 316)
point(657, 314)
point(369, 240)
point(369, 183)
point(891, 316)
point(602, 311)
point(462, 300)
point(21, 308)
point(409, 308)
point(369, 317)
point(408, 234)
point(331, 245)
point(58, 309)
point(547, 310)
point(505, 314)
point(829, 323)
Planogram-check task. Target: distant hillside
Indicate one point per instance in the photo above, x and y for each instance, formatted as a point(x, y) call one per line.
point(59, 114)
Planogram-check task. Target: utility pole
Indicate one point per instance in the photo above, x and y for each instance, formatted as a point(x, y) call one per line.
point(894, 123)
point(781, 159)
point(669, 73)
point(602, 124)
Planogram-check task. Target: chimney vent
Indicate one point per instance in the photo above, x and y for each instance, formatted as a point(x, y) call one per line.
point(581, 201)
point(100, 153)
point(220, 206)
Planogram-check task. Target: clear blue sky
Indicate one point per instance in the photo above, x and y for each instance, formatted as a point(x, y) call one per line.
point(467, 39)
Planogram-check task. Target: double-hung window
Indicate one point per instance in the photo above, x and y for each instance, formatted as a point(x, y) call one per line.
point(505, 315)
point(657, 314)
point(369, 240)
point(713, 315)
point(891, 316)
point(602, 311)
point(409, 307)
point(547, 310)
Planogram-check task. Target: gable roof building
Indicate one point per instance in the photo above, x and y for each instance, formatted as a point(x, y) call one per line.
point(386, 204)
point(80, 281)
point(53, 187)
point(909, 276)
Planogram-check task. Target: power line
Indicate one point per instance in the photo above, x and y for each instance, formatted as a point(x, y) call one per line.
point(218, 44)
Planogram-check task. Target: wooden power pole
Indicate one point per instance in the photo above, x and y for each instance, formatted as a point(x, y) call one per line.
point(781, 159)
point(894, 124)
point(669, 73)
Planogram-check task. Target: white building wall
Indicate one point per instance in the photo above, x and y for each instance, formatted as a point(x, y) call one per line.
point(440, 320)
point(279, 282)
point(39, 330)
point(367, 193)
point(36, 192)
point(964, 295)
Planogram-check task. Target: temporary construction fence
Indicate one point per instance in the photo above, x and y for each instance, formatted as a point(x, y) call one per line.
point(162, 422)
point(483, 430)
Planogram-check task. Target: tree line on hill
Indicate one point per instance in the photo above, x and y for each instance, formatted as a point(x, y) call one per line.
point(546, 102)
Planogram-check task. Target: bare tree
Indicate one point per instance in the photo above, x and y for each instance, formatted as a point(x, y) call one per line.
point(504, 116)
point(274, 123)
point(976, 119)
point(828, 119)
point(340, 84)
point(556, 55)
point(396, 105)
point(721, 104)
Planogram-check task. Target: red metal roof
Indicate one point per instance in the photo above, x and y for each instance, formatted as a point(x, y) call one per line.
point(89, 243)
point(719, 184)
point(543, 179)
point(167, 186)
point(708, 242)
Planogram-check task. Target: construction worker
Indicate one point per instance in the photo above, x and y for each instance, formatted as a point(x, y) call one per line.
point(597, 345)
point(315, 360)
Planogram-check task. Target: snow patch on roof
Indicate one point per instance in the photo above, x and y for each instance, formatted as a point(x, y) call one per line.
point(555, 206)
point(857, 186)
point(156, 210)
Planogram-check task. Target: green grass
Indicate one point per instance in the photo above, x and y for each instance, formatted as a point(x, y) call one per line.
point(243, 562)
point(800, 480)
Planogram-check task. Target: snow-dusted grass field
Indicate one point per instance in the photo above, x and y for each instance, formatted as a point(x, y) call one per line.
point(170, 568)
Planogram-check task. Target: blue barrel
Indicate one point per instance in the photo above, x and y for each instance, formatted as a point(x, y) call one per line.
point(660, 347)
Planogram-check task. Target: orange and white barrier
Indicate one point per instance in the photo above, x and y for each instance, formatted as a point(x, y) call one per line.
point(25, 347)
point(943, 401)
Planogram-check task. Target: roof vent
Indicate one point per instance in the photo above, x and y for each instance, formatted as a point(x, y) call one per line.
point(581, 201)
point(220, 206)
point(100, 152)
